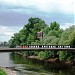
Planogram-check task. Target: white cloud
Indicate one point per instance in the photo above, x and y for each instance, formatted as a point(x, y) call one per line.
point(9, 33)
point(64, 6)
point(30, 6)
point(66, 25)
point(6, 32)
point(8, 1)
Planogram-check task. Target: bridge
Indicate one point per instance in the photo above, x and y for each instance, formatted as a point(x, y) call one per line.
point(35, 49)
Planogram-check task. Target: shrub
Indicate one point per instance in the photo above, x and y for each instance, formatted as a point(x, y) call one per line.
point(43, 55)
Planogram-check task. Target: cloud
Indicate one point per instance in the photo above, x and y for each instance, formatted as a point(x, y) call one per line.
point(13, 18)
point(15, 13)
point(6, 32)
point(66, 25)
point(47, 6)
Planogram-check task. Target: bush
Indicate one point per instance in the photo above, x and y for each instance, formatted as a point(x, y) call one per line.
point(2, 72)
point(43, 55)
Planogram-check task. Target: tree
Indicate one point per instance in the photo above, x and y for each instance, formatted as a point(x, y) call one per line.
point(67, 38)
point(53, 35)
point(46, 30)
point(54, 26)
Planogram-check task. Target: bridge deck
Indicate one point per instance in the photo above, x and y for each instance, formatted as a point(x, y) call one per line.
point(34, 49)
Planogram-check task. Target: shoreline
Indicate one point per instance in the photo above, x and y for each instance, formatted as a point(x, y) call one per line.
point(58, 64)
point(8, 71)
point(54, 61)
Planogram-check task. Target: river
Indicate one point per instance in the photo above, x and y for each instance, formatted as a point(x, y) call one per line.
point(24, 66)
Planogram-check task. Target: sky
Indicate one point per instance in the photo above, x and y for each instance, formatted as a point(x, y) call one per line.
point(14, 14)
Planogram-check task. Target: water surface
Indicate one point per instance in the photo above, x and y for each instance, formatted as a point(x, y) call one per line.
point(25, 66)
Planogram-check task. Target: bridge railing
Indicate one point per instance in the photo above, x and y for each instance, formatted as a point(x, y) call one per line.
point(46, 46)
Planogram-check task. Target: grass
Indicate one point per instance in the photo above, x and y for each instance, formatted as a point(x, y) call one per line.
point(2, 72)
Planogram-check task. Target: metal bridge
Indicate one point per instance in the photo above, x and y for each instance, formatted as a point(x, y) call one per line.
point(35, 49)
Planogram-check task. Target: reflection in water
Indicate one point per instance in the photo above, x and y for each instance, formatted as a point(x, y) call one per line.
point(5, 60)
point(25, 66)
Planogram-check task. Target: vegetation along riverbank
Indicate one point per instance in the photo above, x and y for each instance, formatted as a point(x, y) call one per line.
point(52, 35)
point(7, 71)
point(2, 72)
point(52, 63)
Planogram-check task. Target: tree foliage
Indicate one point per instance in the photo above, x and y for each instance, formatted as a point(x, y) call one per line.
point(43, 55)
point(52, 35)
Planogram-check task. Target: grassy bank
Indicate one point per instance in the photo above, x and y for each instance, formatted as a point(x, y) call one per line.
point(2, 72)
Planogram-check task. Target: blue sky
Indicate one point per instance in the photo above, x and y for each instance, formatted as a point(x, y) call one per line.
point(14, 14)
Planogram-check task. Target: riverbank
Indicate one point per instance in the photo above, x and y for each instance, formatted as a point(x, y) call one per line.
point(52, 61)
point(2, 72)
point(8, 71)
